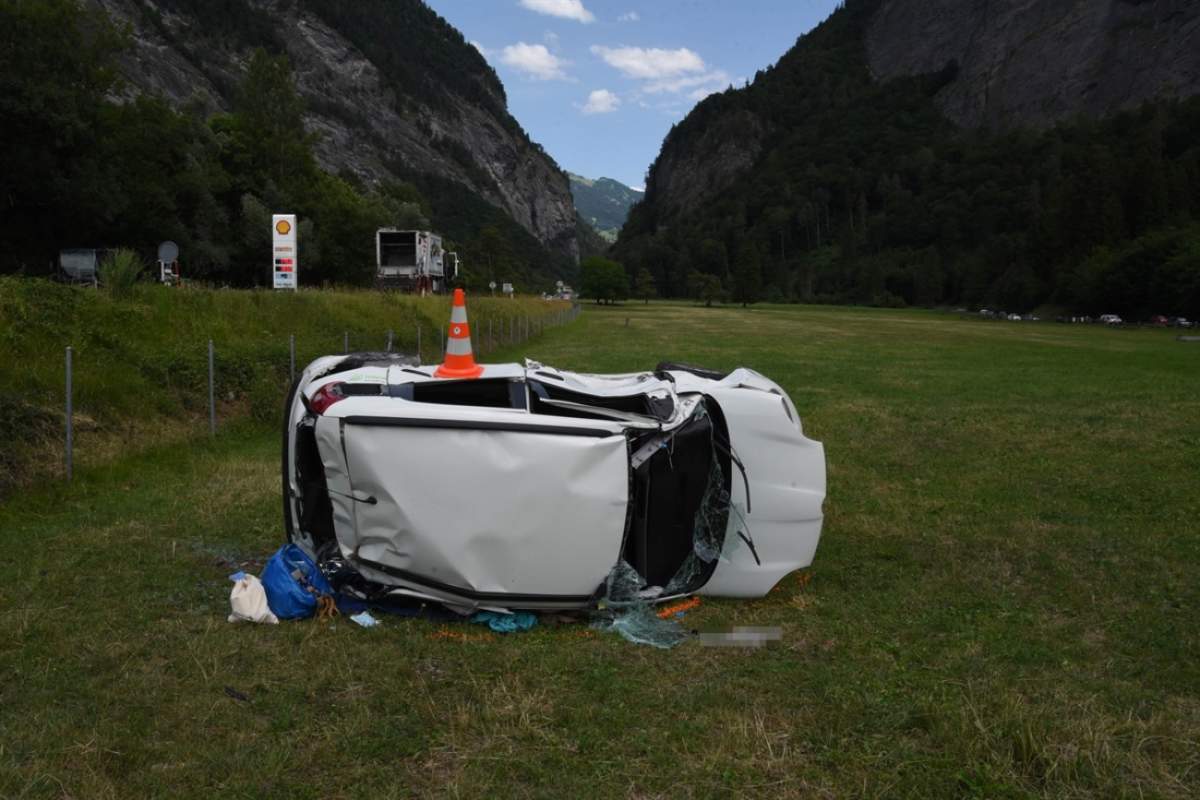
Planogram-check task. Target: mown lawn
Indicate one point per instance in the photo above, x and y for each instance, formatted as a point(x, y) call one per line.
point(1004, 603)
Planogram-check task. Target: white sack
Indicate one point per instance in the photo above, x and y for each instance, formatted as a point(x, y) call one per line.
point(248, 600)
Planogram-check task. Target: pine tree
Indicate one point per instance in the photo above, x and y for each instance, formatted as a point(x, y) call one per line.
point(747, 274)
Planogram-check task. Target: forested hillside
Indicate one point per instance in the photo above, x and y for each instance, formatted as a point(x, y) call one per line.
point(604, 203)
point(205, 144)
point(818, 183)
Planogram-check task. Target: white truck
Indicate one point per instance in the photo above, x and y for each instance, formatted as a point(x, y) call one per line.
point(410, 261)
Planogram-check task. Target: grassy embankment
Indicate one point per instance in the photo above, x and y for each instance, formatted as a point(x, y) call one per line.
point(1004, 603)
point(141, 366)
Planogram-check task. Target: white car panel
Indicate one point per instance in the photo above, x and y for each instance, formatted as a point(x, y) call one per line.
point(786, 475)
point(470, 509)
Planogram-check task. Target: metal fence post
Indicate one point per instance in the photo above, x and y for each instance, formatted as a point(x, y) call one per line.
point(491, 336)
point(212, 397)
point(441, 343)
point(418, 343)
point(70, 464)
point(389, 341)
point(291, 358)
point(345, 341)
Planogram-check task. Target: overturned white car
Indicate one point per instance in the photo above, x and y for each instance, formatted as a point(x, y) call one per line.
point(528, 487)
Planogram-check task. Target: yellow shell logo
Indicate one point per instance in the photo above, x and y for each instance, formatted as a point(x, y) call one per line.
point(283, 227)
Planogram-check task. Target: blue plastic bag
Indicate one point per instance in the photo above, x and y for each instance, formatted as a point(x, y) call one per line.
point(288, 578)
point(505, 623)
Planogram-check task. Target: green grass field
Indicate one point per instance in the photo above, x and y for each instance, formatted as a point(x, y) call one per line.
point(1004, 602)
point(141, 363)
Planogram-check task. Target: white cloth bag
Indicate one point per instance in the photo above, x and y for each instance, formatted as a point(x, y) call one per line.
point(248, 600)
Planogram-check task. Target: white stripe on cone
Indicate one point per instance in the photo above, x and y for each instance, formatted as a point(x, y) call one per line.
point(459, 347)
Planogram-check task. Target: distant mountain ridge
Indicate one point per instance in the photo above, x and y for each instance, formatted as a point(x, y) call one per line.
point(604, 203)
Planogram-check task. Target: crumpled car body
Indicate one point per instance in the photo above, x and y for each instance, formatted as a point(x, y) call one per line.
point(536, 488)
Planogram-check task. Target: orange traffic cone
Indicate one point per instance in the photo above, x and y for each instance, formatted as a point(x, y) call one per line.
point(460, 362)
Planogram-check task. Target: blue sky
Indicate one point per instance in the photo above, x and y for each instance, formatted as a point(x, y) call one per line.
point(600, 82)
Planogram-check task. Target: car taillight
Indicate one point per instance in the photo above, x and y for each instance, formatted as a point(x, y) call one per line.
point(326, 396)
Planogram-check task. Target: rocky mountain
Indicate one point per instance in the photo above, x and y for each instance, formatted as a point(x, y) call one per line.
point(604, 203)
point(392, 90)
point(1009, 153)
point(1022, 63)
point(1001, 64)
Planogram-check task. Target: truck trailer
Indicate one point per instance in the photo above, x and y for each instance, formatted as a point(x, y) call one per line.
point(410, 261)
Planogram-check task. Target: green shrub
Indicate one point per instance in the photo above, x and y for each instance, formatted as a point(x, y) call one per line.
point(120, 271)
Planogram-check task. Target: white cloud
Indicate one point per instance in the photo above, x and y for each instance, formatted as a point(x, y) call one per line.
point(713, 81)
point(629, 16)
point(551, 40)
point(601, 101)
point(650, 63)
point(567, 9)
point(534, 60)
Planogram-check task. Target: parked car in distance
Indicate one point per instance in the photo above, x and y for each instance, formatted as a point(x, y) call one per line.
point(1159, 321)
point(1014, 317)
point(1110, 319)
point(1181, 322)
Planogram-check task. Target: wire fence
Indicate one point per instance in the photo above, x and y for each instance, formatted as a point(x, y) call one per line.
point(498, 334)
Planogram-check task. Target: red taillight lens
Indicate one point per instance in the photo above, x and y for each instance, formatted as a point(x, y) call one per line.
point(326, 396)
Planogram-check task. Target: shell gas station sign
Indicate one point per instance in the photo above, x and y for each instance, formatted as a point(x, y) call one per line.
point(283, 237)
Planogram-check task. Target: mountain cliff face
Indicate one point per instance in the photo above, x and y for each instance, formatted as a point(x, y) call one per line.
point(392, 90)
point(1001, 64)
point(683, 178)
point(1030, 63)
